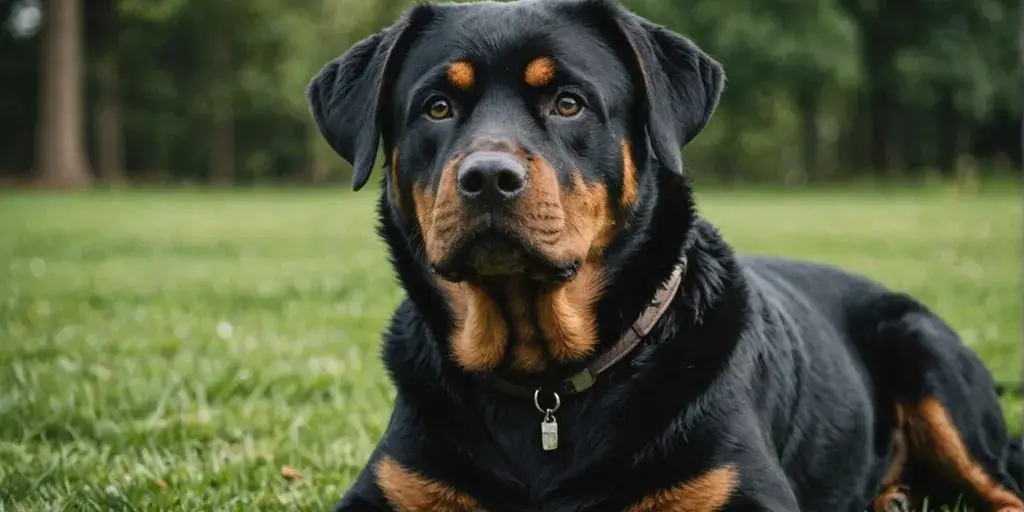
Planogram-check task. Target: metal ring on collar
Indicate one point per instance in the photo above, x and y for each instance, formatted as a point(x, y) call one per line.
point(536, 402)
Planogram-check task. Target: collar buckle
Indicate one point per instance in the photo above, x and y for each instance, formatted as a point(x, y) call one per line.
point(580, 382)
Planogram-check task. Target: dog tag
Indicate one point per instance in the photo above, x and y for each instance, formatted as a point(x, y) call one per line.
point(549, 433)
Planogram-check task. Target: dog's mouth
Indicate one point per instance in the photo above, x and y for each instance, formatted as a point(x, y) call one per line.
point(492, 251)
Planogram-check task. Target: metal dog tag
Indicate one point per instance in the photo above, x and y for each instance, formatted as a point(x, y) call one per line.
point(549, 426)
point(549, 433)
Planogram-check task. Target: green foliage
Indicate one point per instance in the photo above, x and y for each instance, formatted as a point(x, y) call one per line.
point(815, 88)
point(151, 10)
point(271, 49)
point(764, 43)
point(774, 52)
point(966, 49)
point(172, 351)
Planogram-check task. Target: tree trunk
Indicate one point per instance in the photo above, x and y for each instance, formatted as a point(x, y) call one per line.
point(109, 131)
point(949, 121)
point(222, 154)
point(963, 144)
point(895, 161)
point(880, 136)
point(880, 39)
point(852, 144)
point(915, 136)
point(810, 130)
point(61, 156)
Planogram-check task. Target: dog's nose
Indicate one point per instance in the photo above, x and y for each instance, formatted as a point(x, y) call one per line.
point(486, 176)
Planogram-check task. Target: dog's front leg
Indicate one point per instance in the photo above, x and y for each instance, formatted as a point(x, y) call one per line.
point(365, 495)
point(746, 480)
point(392, 479)
point(760, 483)
point(728, 488)
point(763, 491)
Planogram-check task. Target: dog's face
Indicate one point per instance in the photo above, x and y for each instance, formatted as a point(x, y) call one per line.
point(520, 139)
point(512, 143)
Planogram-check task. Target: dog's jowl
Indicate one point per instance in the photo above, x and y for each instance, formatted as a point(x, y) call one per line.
point(575, 337)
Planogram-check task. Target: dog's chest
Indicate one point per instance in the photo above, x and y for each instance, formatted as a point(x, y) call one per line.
point(408, 490)
point(489, 486)
point(538, 459)
point(499, 462)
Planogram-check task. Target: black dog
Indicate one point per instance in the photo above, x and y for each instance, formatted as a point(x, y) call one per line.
point(576, 338)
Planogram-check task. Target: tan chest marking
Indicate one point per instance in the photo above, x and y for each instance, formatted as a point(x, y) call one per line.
point(706, 493)
point(409, 491)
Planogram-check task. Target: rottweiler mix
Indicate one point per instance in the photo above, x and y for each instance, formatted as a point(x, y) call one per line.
point(576, 337)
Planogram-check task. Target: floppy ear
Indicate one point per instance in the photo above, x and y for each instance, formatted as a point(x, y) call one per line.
point(345, 97)
point(681, 84)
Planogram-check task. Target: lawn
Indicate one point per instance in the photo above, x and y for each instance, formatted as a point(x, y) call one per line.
point(219, 351)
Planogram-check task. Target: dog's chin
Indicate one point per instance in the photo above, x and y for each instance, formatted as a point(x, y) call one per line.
point(496, 256)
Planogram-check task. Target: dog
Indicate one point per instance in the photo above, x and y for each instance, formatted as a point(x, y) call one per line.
point(576, 337)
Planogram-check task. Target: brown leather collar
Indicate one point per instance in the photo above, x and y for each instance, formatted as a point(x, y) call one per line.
point(585, 378)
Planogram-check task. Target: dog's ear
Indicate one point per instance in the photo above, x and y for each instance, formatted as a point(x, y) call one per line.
point(345, 97)
point(681, 84)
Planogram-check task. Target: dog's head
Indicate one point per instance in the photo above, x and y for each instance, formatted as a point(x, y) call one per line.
point(520, 141)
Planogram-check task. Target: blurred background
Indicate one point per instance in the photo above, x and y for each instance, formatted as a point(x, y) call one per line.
point(211, 92)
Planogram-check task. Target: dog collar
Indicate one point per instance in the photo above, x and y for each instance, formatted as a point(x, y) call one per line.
point(585, 378)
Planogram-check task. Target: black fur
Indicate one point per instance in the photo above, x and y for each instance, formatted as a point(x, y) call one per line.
point(787, 370)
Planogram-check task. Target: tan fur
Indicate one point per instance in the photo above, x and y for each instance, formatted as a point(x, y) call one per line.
point(461, 75)
point(566, 313)
point(564, 225)
point(539, 72)
point(409, 491)
point(933, 437)
point(889, 495)
point(528, 355)
point(441, 215)
point(567, 318)
point(629, 192)
point(706, 493)
point(480, 335)
point(892, 488)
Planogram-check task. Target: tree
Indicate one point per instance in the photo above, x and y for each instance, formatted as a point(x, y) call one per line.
point(978, 36)
point(108, 127)
point(222, 112)
point(212, 91)
point(335, 27)
point(61, 138)
point(774, 52)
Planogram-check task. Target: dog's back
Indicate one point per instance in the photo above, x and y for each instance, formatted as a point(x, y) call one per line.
point(855, 345)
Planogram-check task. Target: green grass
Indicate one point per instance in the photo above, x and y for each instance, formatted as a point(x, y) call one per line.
point(173, 350)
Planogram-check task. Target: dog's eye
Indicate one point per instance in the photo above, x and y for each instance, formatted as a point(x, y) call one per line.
point(568, 105)
point(438, 108)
